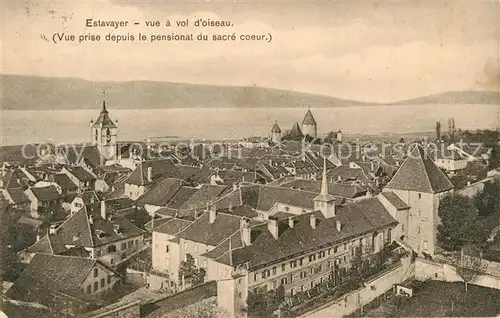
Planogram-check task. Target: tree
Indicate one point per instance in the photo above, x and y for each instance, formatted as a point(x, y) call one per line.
point(488, 200)
point(458, 220)
point(494, 160)
point(330, 137)
point(438, 130)
point(469, 265)
point(189, 270)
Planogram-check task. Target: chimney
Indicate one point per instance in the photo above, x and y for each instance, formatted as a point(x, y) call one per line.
point(313, 220)
point(291, 222)
point(339, 226)
point(103, 210)
point(245, 231)
point(272, 226)
point(212, 214)
point(150, 174)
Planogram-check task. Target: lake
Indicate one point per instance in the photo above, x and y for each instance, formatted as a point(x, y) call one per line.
point(71, 126)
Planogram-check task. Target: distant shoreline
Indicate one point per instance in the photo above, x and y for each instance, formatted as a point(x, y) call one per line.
point(117, 108)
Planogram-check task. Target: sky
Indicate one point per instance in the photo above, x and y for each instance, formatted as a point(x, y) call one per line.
point(376, 51)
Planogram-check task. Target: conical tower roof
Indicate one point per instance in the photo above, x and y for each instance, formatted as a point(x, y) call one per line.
point(296, 131)
point(309, 118)
point(276, 128)
point(419, 173)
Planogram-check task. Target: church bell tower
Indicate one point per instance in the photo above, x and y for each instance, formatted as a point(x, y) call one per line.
point(104, 133)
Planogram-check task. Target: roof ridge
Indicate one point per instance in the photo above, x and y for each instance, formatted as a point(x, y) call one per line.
point(88, 225)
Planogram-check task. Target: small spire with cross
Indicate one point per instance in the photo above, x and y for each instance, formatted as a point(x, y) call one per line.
point(104, 101)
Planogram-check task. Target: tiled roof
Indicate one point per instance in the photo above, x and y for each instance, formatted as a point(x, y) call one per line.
point(395, 200)
point(81, 173)
point(172, 226)
point(181, 197)
point(89, 154)
point(88, 197)
point(309, 119)
point(78, 231)
point(203, 197)
point(269, 196)
point(63, 181)
point(45, 194)
point(336, 189)
point(161, 193)
point(344, 173)
point(161, 168)
point(356, 218)
point(12, 179)
point(51, 272)
point(202, 231)
point(17, 195)
point(419, 173)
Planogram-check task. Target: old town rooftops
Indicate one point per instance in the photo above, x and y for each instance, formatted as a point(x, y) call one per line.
point(149, 172)
point(87, 228)
point(356, 219)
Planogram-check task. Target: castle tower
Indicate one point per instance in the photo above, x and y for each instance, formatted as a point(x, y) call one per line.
point(104, 134)
point(309, 126)
point(420, 184)
point(276, 133)
point(325, 202)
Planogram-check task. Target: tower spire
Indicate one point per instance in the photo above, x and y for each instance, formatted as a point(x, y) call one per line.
point(324, 184)
point(104, 110)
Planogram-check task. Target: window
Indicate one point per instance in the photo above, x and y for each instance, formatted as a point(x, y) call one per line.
point(96, 286)
point(283, 267)
point(345, 246)
point(89, 289)
point(124, 246)
point(96, 272)
point(291, 278)
point(335, 249)
point(420, 195)
point(283, 281)
point(425, 245)
point(293, 264)
point(255, 277)
point(274, 270)
point(111, 249)
point(389, 232)
point(112, 261)
point(301, 261)
point(103, 282)
point(166, 249)
point(329, 251)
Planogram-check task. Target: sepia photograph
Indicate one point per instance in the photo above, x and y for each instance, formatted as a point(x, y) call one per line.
point(253, 159)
